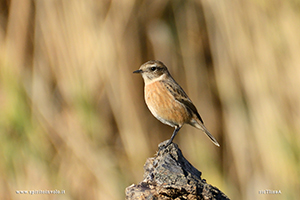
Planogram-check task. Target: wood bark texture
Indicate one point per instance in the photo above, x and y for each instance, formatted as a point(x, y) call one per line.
point(170, 176)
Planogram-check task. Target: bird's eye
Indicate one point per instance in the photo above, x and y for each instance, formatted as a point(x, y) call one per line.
point(153, 69)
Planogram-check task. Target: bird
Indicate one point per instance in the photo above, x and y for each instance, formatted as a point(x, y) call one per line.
point(167, 101)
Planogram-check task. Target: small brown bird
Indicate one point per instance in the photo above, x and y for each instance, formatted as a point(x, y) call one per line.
point(167, 101)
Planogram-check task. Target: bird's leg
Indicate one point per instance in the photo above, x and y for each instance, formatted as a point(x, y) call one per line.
point(177, 128)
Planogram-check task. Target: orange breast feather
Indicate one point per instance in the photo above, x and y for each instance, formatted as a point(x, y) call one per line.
point(163, 105)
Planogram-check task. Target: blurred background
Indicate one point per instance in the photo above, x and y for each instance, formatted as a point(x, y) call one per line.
point(73, 116)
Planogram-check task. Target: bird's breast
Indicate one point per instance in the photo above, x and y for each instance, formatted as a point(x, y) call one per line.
point(164, 106)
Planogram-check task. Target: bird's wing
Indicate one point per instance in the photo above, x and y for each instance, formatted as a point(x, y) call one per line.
point(182, 97)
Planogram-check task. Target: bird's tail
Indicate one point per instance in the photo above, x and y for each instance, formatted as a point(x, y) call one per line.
point(201, 126)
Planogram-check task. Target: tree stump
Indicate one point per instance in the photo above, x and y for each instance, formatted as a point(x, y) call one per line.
point(170, 176)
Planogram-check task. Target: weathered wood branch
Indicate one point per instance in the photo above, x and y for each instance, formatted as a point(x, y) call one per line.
point(170, 176)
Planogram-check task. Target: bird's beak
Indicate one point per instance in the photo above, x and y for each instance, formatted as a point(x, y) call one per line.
point(138, 71)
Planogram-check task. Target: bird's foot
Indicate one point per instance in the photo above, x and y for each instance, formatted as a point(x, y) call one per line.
point(163, 146)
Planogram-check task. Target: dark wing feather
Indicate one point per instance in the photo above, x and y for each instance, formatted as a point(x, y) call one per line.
point(182, 97)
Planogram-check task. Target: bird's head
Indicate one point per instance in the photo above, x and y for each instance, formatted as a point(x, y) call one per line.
point(153, 70)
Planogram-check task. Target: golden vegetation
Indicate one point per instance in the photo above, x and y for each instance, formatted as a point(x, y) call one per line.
point(73, 116)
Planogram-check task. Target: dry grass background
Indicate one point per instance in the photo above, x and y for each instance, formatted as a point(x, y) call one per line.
point(73, 116)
